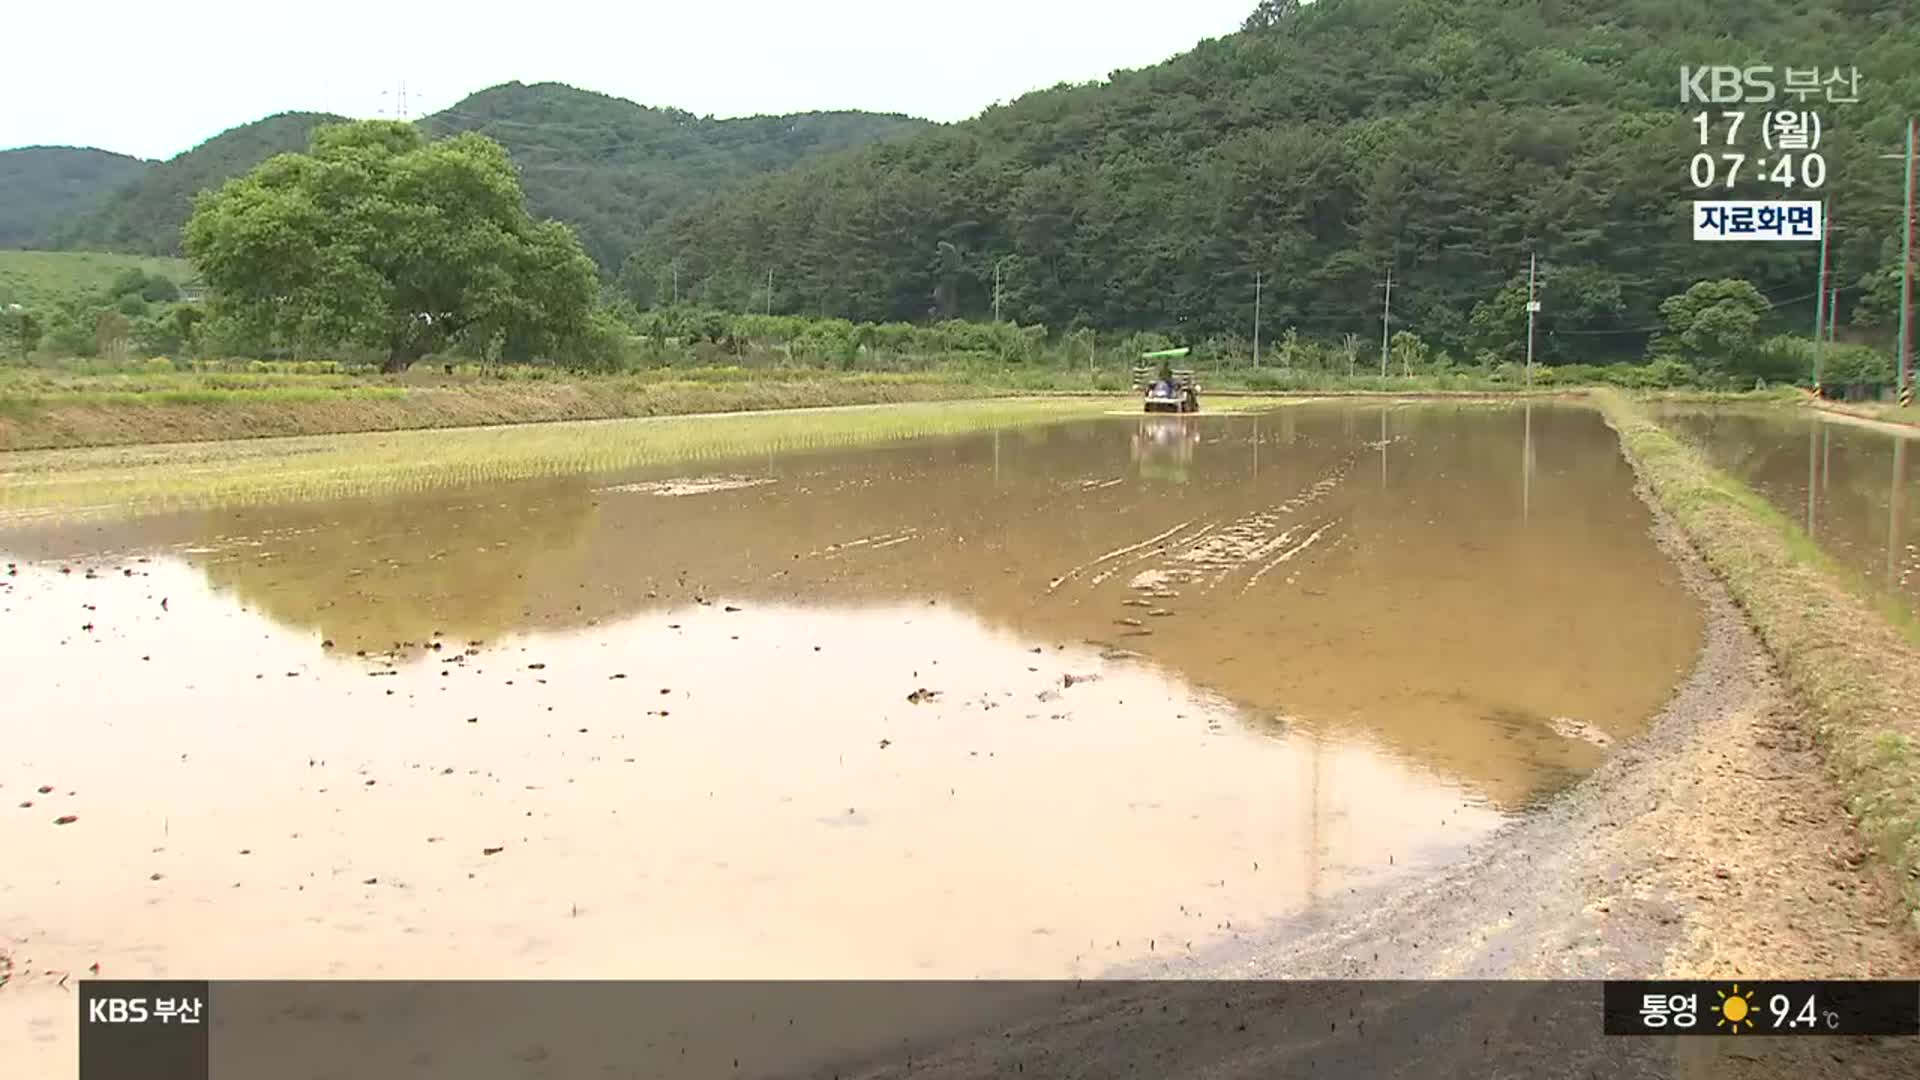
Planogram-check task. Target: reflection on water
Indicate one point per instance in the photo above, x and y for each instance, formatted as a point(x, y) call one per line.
point(1163, 448)
point(1207, 670)
point(1850, 487)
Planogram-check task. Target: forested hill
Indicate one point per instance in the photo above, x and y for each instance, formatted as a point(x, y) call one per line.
point(604, 165)
point(1444, 139)
point(42, 184)
point(610, 168)
point(145, 216)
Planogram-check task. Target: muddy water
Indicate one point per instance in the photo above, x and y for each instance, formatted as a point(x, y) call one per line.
point(1854, 489)
point(1034, 702)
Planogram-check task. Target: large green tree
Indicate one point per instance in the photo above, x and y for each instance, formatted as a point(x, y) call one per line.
point(379, 238)
point(1713, 325)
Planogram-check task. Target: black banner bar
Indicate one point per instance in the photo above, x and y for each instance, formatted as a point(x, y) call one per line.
point(987, 1030)
point(144, 1030)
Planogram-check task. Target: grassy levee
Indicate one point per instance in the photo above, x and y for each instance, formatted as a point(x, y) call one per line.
point(1854, 664)
point(96, 403)
point(136, 410)
point(1884, 412)
point(110, 481)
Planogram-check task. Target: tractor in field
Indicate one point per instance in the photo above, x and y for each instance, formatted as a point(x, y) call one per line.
point(1166, 389)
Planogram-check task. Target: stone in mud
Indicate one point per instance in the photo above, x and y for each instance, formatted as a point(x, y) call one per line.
point(66, 819)
point(45, 789)
point(492, 850)
point(1129, 622)
point(1568, 727)
point(922, 694)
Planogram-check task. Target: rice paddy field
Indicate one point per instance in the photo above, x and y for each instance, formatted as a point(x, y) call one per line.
point(120, 480)
point(888, 691)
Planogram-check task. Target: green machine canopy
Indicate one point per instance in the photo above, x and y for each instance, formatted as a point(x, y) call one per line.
point(1167, 354)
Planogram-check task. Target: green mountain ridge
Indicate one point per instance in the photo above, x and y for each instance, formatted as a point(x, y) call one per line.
point(145, 216)
point(610, 168)
point(44, 184)
point(1444, 140)
point(605, 165)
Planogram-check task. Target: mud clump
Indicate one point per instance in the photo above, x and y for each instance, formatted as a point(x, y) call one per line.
point(1569, 728)
point(922, 695)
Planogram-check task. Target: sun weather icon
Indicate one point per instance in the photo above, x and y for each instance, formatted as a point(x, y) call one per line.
point(1735, 1008)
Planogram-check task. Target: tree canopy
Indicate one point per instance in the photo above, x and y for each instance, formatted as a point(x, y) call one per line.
point(1444, 140)
point(606, 166)
point(379, 238)
point(144, 215)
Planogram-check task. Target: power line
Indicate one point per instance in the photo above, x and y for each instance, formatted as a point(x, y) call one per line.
point(1771, 305)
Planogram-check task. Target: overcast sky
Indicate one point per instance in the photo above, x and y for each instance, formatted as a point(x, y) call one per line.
point(154, 80)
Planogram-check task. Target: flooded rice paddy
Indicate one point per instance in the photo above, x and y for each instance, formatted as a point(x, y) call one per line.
point(1033, 702)
point(1854, 489)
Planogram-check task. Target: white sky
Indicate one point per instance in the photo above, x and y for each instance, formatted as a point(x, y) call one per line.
point(154, 80)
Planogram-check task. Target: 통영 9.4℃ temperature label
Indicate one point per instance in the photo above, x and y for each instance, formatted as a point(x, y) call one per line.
point(1696, 1007)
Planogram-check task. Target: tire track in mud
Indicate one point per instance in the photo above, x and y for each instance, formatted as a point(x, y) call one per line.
point(871, 543)
point(1203, 555)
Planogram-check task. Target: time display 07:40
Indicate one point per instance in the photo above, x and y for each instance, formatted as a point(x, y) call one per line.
point(1809, 170)
point(1783, 132)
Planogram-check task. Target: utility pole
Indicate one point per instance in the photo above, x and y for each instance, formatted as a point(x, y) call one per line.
point(1386, 310)
point(1906, 283)
point(676, 284)
point(1833, 316)
point(769, 290)
point(1256, 318)
point(1820, 301)
point(1533, 307)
